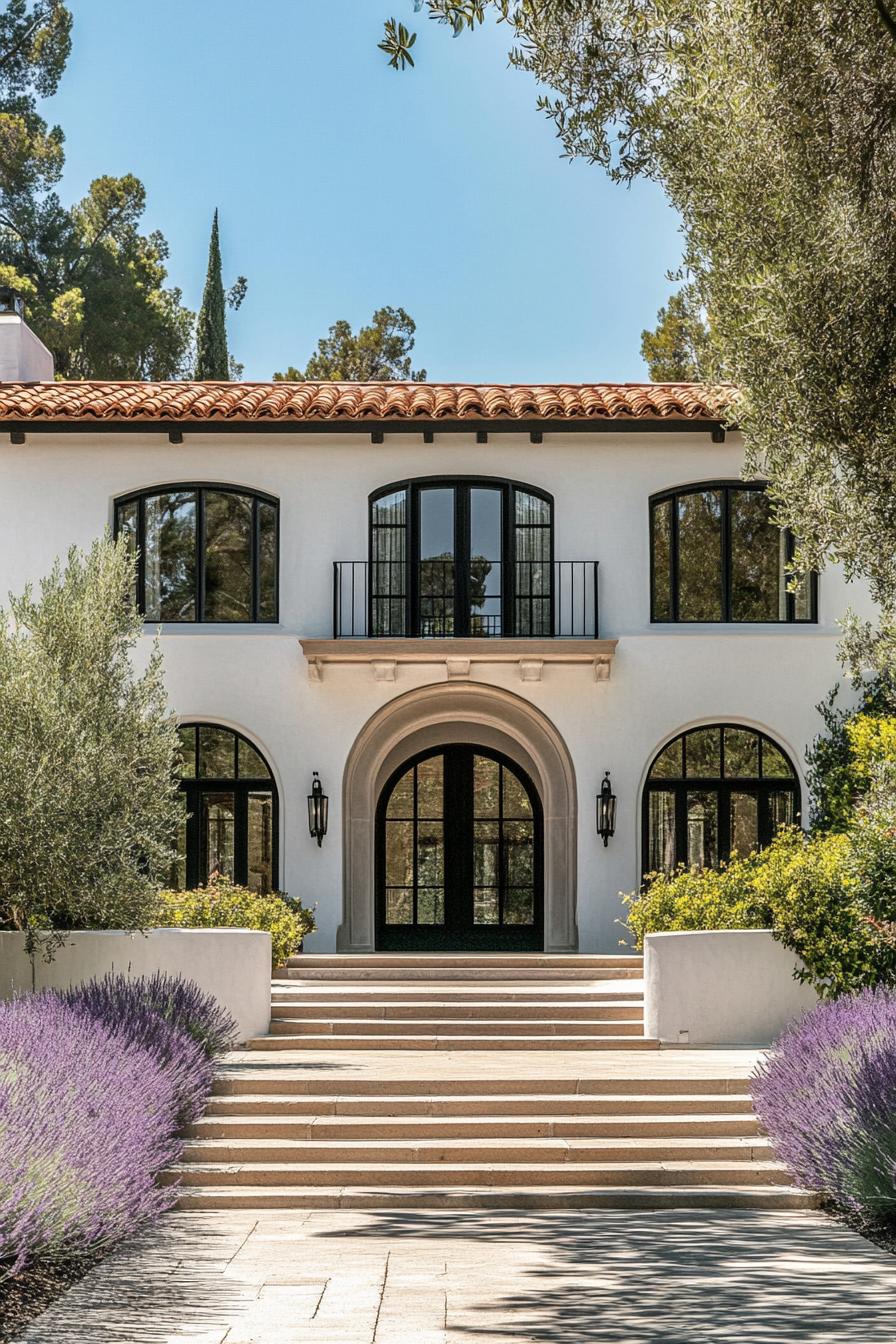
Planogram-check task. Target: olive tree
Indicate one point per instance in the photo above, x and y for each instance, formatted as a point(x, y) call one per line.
point(771, 125)
point(88, 753)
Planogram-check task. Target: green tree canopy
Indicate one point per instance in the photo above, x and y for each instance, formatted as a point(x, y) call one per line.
point(88, 753)
point(677, 349)
point(93, 282)
point(771, 124)
point(380, 353)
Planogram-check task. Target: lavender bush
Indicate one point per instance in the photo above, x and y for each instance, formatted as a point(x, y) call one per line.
point(157, 1012)
point(827, 1097)
point(94, 1083)
point(87, 1120)
point(126, 1011)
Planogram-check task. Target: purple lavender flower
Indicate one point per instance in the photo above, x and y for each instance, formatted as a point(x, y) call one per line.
point(179, 1002)
point(94, 1083)
point(87, 1121)
point(827, 1097)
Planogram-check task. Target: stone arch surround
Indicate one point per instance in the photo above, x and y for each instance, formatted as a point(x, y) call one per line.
point(435, 716)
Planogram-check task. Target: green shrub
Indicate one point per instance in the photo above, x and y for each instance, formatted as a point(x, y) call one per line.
point(224, 905)
point(807, 883)
point(698, 898)
point(812, 891)
point(872, 862)
point(838, 761)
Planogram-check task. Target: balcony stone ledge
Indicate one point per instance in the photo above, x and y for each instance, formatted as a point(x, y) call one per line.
point(458, 656)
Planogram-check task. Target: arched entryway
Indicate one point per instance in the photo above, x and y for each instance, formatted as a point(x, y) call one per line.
point(468, 714)
point(459, 855)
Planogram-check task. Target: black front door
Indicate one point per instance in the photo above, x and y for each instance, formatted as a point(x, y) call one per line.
point(459, 855)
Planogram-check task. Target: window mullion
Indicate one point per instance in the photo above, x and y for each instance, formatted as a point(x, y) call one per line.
point(141, 555)
point(726, 554)
point(254, 566)
point(200, 555)
point(673, 557)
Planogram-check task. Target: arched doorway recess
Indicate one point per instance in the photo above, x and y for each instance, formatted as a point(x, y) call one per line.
point(435, 716)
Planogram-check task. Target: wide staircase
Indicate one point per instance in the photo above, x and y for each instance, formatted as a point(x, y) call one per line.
point(304, 1119)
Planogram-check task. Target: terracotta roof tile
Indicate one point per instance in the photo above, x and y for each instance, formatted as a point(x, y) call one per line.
point(309, 402)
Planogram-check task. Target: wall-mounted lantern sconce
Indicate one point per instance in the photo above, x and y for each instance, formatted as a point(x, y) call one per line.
point(606, 809)
point(318, 811)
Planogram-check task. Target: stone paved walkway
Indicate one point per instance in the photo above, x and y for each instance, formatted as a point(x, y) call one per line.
point(484, 1278)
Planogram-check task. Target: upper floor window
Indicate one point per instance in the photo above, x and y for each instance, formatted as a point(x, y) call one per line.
point(204, 552)
point(461, 557)
point(716, 555)
point(715, 792)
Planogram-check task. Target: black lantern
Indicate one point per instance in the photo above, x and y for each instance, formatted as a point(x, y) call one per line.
point(318, 810)
point(606, 809)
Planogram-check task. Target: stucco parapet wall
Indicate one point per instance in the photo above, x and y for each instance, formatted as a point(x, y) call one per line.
point(720, 987)
point(234, 965)
point(458, 656)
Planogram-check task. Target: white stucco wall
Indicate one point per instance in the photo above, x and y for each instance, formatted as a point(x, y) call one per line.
point(60, 489)
point(234, 965)
point(720, 987)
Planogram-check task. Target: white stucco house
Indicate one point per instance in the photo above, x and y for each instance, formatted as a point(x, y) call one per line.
point(465, 608)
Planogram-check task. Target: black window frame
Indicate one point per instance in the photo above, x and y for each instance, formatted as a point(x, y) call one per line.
point(200, 488)
point(727, 486)
point(462, 485)
point(722, 784)
point(241, 787)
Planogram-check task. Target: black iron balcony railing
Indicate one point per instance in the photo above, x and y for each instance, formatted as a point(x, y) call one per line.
point(438, 599)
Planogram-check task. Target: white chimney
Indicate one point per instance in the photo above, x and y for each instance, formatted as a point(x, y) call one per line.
point(23, 358)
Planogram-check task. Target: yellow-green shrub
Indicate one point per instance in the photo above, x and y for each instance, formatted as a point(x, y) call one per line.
point(872, 741)
point(804, 888)
point(697, 898)
point(224, 905)
point(807, 884)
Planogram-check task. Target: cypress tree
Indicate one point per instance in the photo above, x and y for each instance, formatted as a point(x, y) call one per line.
point(212, 363)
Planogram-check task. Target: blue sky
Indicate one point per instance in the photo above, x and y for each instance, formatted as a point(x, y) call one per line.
point(343, 185)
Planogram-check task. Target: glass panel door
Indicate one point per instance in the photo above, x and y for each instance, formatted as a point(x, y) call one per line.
point(437, 563)
point(484, 574)
point(459, 862)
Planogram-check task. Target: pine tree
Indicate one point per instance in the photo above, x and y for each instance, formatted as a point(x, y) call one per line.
point(212, 363)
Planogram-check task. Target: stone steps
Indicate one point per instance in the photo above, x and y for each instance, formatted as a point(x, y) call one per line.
point(559, 1196)
point(478, 967)
point(495, 1109)
point(272, 1077)
point(486, 1026)
point(371, 1121)
point(478, 1151)
point(458, 1041)
point(298, 1011)
point(372, 1129)
point(685, 1171)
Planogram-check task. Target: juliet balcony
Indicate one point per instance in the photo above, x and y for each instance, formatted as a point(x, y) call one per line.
point(529, 612)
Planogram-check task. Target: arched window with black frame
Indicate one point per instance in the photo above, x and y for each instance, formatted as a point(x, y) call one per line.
point(204, 552)
point(714, 792)
point(461, 556)
point(716, 555)
point(230, 824)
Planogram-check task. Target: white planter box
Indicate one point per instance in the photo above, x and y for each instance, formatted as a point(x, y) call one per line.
point(725, 987)
point(232, 964)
